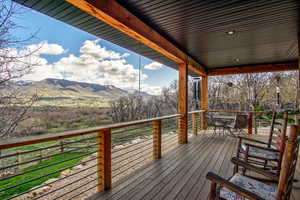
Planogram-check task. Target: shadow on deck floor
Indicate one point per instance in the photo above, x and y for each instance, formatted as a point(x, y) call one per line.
point(181, 173)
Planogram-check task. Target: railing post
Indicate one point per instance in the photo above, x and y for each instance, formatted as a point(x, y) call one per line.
point(250, 122)
point(194, 123)
point(287, 161)
point(199, 118)
point(204, 101)
point(61, 143)
point(156, 126)
point(182, 104)
point(104, 159)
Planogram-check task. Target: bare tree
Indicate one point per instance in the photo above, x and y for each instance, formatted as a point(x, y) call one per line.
point(135, 107)
point(14, 106)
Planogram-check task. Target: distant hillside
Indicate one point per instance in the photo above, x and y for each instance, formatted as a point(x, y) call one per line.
point(71, 93)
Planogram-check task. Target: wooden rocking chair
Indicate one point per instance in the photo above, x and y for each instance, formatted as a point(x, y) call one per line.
point(266, 155)
point(242, 187)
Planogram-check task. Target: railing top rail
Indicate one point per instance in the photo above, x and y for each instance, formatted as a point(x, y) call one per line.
point(196, 111)
point(238, 111)
point(15, 142)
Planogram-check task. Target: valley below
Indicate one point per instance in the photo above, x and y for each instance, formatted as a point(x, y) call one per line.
point(59, 105)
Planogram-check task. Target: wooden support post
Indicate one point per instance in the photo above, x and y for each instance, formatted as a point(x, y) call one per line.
point(156, 126)
point(182, 104)
point(194, 123)
point(250, 122)
point(104, 160)
point(287, 162)
point(298, 81)
point(204, 101)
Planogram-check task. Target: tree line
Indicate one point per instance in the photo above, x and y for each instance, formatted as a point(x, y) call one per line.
point(237, 92)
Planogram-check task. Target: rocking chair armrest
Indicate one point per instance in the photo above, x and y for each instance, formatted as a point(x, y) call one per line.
point(253, 168)
point(252, 140)
point(260, 147)
point(235, 188)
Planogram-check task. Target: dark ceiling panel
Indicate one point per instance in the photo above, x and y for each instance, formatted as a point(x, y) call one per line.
point(265, 30)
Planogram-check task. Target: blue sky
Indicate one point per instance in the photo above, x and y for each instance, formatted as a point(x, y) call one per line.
point(71, 40)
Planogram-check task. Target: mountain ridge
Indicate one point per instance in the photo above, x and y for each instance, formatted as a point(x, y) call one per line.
point(52, 91)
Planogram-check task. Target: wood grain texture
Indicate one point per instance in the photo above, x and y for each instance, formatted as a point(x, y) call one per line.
point(156, 126)
point(180, 174)
point(16, 142)
point(289, 66)
point(183, 104)
point(287, 164)
point(104, 160)
point(204, 101)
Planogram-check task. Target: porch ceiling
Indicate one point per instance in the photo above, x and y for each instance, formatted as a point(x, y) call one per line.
point(266, 31)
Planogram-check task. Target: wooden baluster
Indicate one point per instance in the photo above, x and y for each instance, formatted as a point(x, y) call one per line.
point(194, 122)
point(250, 123)
point(104, 159)
point(156, 126)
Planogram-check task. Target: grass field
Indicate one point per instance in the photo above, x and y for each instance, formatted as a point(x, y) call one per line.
point(27, 177)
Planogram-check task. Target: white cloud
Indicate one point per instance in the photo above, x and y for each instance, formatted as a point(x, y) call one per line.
point(93, 49)
point(94, 64)
point(154, 90)
point(45, 48)
point(153, 66)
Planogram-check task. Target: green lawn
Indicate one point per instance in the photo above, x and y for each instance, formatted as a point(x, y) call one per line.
point(120, 136)
point(26, 177)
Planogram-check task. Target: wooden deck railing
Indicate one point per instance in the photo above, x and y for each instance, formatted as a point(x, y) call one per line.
point(71, 164)
point(67, 165)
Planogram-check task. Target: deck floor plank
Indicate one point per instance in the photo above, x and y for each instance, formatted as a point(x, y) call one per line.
point(160, 180)
point(177, 182)
point(195, 191)
point(180, 174)
point(129, 182)
point(225, 170)
point(182, 189)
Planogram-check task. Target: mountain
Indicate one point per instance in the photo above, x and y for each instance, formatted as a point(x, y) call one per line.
point(69, 93)
point(136, 92)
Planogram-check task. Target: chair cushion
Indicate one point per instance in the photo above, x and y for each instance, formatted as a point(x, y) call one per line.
point(263, 190)
point(253, 151)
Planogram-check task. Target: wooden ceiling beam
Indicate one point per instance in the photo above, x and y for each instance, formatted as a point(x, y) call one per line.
point(288, 66)
point(112, 13)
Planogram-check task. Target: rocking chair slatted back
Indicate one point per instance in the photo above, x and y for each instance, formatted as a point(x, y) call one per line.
point(278, 133)
point(272, 129)
point(277, 140)
point(289, 163)
point(286, 177)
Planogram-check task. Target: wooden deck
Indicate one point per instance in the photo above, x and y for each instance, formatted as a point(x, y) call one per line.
point(181, 173)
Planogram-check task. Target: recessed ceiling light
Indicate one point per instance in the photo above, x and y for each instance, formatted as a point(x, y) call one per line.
point(237, 60)
point(232, 32)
